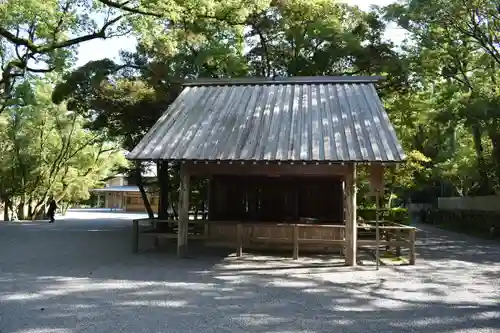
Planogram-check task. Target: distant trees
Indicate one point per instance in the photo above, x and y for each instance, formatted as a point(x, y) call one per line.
point(454, 54)
point(441, 88)
point(46, 152)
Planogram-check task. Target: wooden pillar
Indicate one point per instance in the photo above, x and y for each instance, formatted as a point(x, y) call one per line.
point(398, 238)
point(377, 229)
point(163, 197)
point(350, 216)
point(239, 240)
point(295, 233)
point(206, 216)
point(377, 189)
point(413, 253)
point(182, 230)
point(209, 199)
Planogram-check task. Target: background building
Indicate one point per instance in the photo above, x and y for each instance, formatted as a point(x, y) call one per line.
point(121, 192)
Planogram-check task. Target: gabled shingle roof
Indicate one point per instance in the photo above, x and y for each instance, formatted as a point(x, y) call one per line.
point(322, 119)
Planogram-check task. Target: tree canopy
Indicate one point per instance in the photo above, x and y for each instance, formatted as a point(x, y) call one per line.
point(46, 152)
point(440, 89)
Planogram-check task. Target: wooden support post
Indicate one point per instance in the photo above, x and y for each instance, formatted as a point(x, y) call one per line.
point(135, 236)
point(182, 229)
point(377, 229)
point(412, 254)
point(295, 241)
point(186, 232)
point(398, 238)
point(209, 199)
point(239, 240)
point(350, 216)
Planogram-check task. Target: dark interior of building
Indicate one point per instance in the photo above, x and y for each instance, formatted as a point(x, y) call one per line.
point(265, 198)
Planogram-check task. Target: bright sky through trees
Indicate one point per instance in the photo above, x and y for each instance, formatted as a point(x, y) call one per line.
point(110, 48)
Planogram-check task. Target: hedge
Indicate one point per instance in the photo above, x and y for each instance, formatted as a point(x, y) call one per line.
point(398, 215)
point(468, 221)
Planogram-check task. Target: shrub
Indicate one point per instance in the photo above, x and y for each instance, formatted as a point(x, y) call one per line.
point(397, 215)
point(468, 221)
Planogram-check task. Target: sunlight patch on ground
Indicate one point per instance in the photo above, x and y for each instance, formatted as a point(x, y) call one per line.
point(165, 304)
point(43, 330)
point(20, 297)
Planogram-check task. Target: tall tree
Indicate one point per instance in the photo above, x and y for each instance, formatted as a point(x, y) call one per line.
point(454, 49)
point(47, 152)
point(313, 37)
point(40, 37)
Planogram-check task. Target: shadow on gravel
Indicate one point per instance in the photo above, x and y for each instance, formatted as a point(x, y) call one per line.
point(447, 245)
point(58, 280)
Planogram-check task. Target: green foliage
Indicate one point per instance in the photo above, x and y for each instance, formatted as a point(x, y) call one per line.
point(122, 108)
point(321, 38)
point(46, 152)
point(441, 89)
point(397, 215)
point(467, 221)
point(404, 175)
point(458, 167)
point(453, 51)
point(41, 36)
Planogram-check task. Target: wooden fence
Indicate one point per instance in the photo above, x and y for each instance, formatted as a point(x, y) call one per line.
point(392, 236)
point(294, 236)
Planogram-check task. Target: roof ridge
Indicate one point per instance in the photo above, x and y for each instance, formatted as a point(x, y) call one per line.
point(283, 80)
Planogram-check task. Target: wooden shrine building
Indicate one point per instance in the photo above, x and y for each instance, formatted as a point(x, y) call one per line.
point(276, 152)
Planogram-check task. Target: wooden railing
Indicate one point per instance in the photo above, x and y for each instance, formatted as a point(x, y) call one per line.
point(294, 235)
point(391, 235)
point(152, 231)
point(249, 234)
point(291, 234)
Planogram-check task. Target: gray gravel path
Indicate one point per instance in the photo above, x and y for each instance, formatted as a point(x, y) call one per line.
point(78, 275)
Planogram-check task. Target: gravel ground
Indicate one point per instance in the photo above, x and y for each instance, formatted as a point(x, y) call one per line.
point(78, 275)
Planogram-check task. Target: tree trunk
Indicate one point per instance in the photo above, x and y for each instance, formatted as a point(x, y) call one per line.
point(21, 209)
point(484, 183)
point(64, 208)
point(164, 186)
point(39, 210)
point(31, 212)
point(147, 204)
point(40, 206)
point(6, 205)
point(163, 182)
point(495, 143)
point(140, 184)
